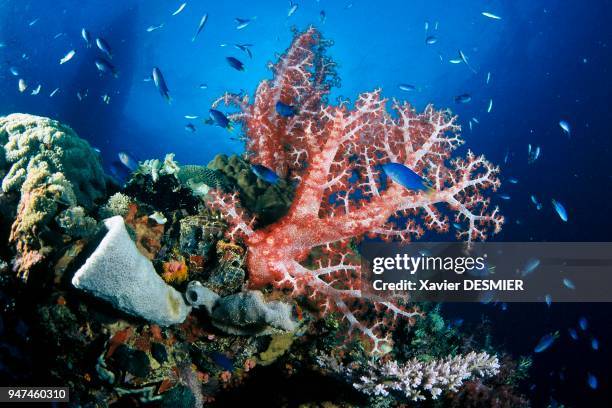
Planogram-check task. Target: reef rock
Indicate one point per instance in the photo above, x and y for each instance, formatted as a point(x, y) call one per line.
point(268, 201)
point(49, 170)
point(118, 273)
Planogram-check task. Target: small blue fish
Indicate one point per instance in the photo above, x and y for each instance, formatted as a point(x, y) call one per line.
point(128, 161)
point(560, 209)
point(456, 225)
point(531, 265)
point(220, 119)
point(160, 84)
point(595, 344)
point(265, 173)
point(463, 98)
point(568, 284)
point(222, 360)
point(190, 127)
point(403, 176)
point(545, 342)
point(104, 47)
point(406, 87)
point(490, 106)
point(106, 67)
point(566, 127)
point(548, 300)
point(491, 15)
point(583, 323)
point(292, 8)
point(430, 40)
point(592, 381)
point(513, 180)
point(201, 25)
point(86, 36)
point(242, 22)
point(245, 48)
point(235, 63)
point(457, 322)
point(572, 333)
point(504, 196)
point(284, 110)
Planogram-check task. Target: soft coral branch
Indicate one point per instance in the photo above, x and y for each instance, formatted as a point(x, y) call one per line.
point(335, 152)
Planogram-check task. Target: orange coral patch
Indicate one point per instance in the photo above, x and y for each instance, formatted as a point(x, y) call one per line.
point(175, 271)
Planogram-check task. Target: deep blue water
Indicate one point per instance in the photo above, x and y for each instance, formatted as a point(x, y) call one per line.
point(549, 60)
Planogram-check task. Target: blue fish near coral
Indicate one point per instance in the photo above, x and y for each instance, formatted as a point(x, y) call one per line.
point(235, 63)
point(128, 161)
point(285, 110)
point(222, 360)
point(265, 173)
point(220, 119)
point(545, 342)
point(405, 177)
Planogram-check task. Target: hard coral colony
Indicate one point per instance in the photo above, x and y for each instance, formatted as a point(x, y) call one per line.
point(334, 152)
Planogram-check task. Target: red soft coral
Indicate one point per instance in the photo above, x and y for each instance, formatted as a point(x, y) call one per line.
point(334, 152)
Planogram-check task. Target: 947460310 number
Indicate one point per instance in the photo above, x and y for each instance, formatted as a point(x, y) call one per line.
point(34, 394)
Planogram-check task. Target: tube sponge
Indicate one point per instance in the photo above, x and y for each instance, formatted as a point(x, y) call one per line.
point(118, 273)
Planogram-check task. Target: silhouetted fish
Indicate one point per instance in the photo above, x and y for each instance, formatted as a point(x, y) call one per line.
point(104, 47)
point(235, 63)
point(160, 84)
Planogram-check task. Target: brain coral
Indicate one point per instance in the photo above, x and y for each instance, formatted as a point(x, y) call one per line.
point(53, 173)
point(29, 140)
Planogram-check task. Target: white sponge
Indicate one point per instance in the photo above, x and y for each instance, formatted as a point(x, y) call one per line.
point(118, 273)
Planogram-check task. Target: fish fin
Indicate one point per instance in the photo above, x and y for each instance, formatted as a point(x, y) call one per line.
point(230, 128)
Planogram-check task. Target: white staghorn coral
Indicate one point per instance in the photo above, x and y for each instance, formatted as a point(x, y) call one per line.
point(412, 378)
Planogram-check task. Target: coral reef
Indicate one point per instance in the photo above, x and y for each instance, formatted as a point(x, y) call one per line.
point(335, 153)
point(200, 179)
point(117, 204)
point(412, 378)
point(52, 170)
point(220, 274)
point(119, 274)
point(30, 140)
point(76, 223)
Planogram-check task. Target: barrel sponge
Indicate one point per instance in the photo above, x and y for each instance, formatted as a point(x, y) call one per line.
point(117, 273)
point(29, 140)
